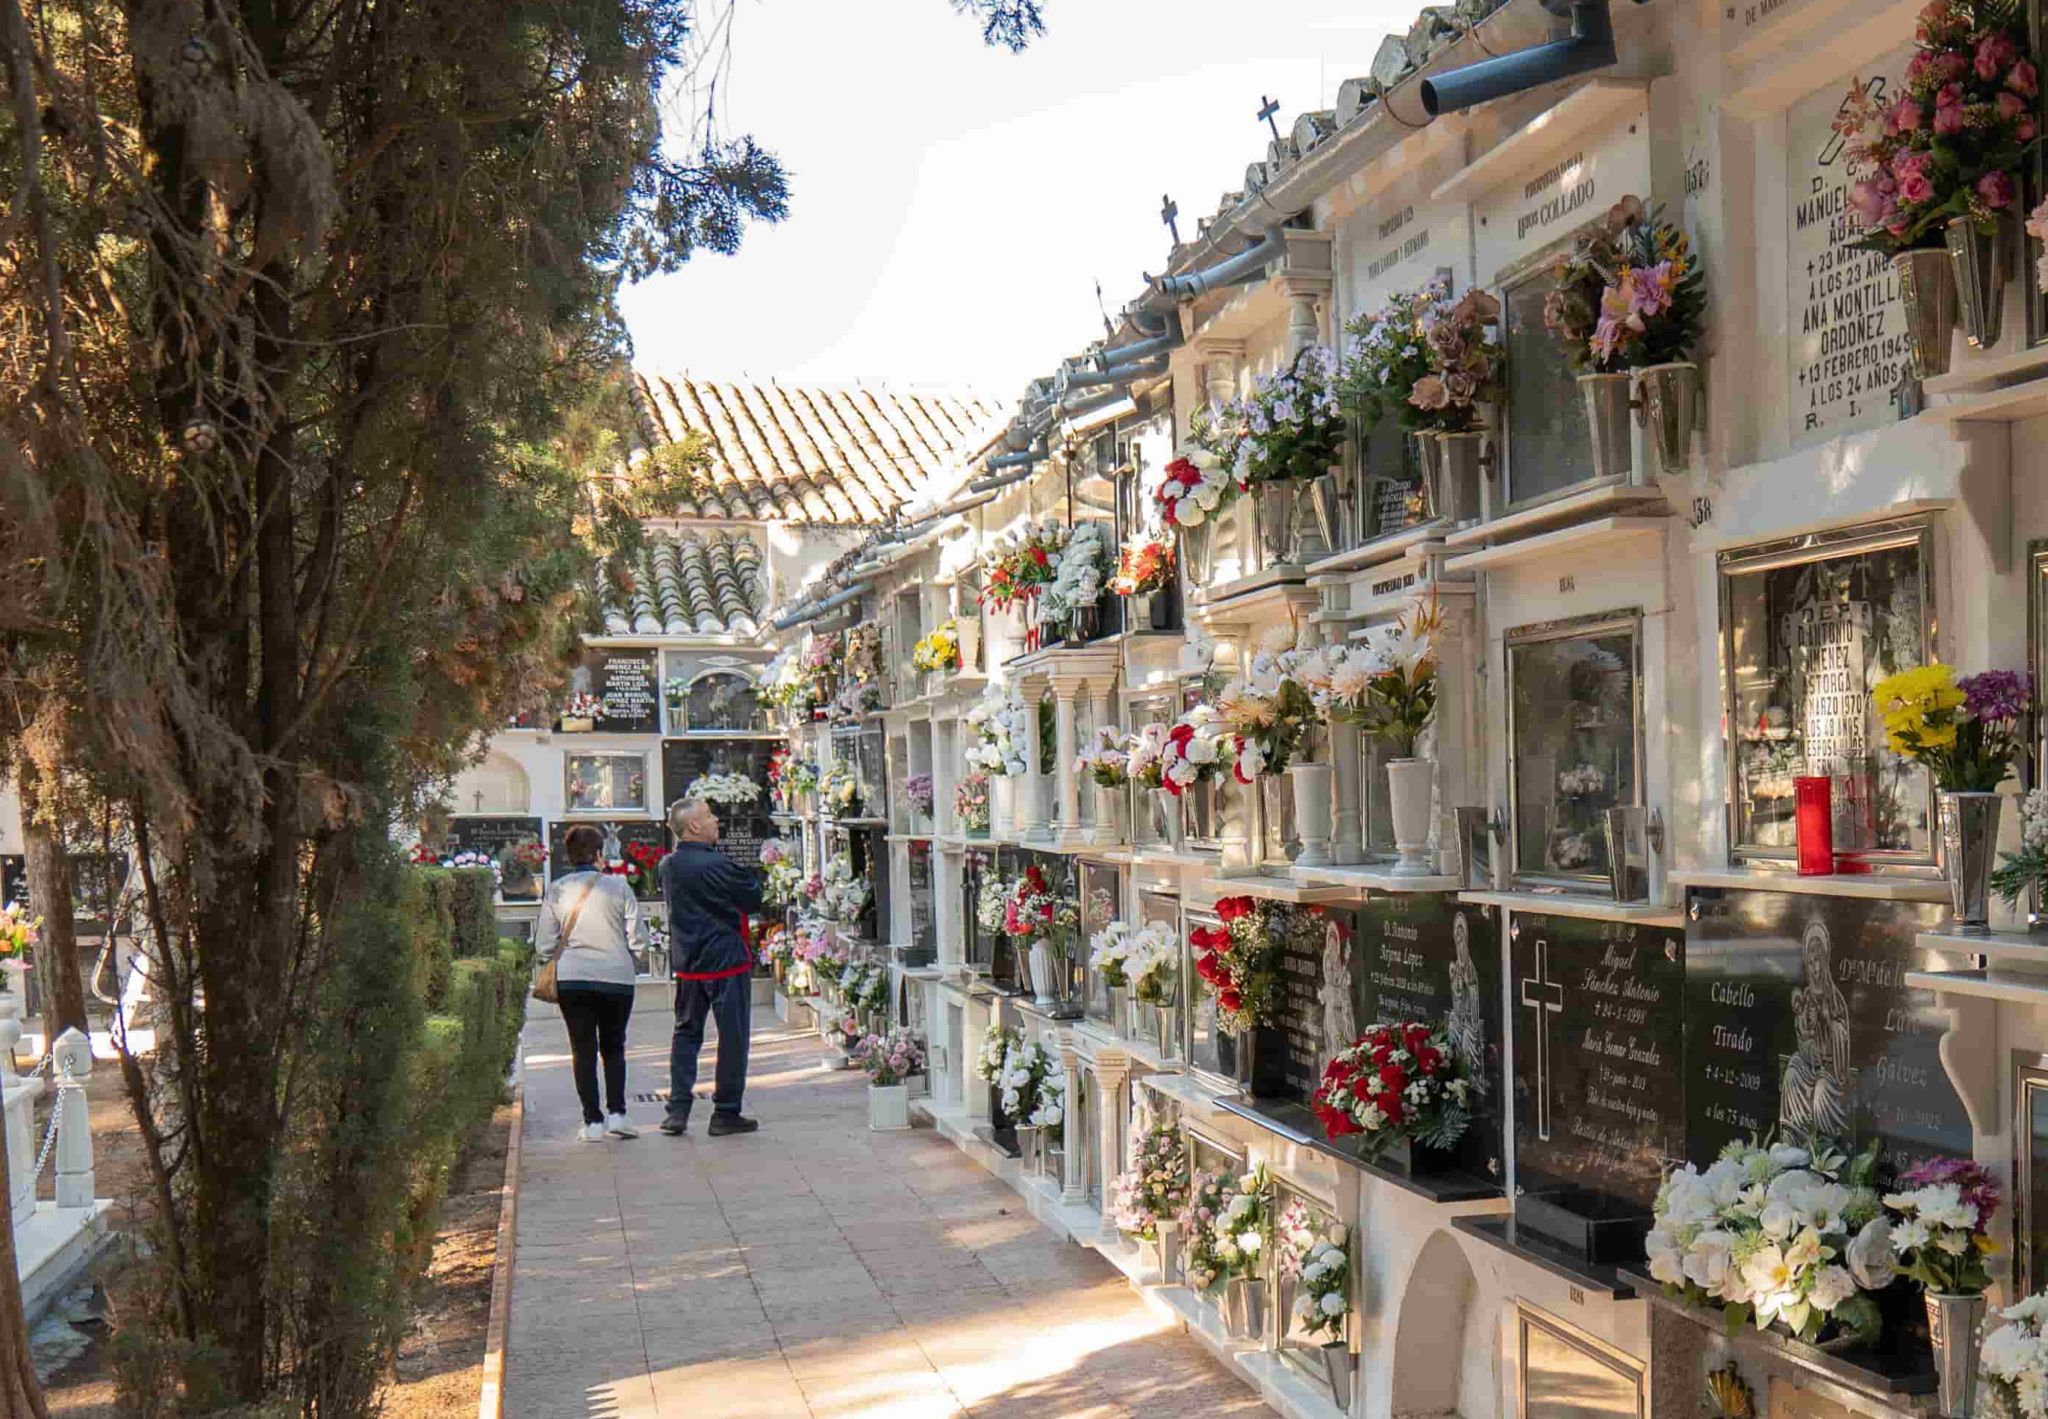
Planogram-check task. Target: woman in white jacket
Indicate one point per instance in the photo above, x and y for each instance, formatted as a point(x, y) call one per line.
point(590, 920)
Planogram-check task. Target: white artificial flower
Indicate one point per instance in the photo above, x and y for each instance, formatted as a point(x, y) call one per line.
point(1911, 1235)
point(1870, 1256)
point(1202, 750)
point(1250, 1242)
point(1832, 1286)
point(1333, 1304)
point(1784, 1155)
point(1778, 1219)
point(1709, 1261)
point(1665, 1264)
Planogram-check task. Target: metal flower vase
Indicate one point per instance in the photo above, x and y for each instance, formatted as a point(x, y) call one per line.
point(1120, 1009)
point(1244, 1307)
point(1198, 551)
point(1340, 1367)
point(1969, 843)
point(1167, 823)
point(1330, 498)
point(1607, 411)
point(1927, 290)
point(1275, 512)
point(1457, 473)
point(1668, 407)
point(1169, 1254)
point(1981, 261)
point(1952, 1325)
point(1084, 623)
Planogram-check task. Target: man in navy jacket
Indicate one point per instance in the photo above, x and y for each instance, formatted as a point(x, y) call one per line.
point(708, 896)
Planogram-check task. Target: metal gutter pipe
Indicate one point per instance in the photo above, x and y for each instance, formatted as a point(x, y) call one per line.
point(1139, 350)
point(1118, 374)
point(815, 609)
point(1034, 454)
point(1000, 480)
point(1232, 271)
point(1589, 46)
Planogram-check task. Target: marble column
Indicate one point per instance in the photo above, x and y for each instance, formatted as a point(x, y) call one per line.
point(1073, 1178)
point(1036, 827)
point(1303, 329)
point(1112, 1071)
point(1066, 827)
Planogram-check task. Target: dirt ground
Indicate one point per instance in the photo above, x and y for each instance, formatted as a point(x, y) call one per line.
point(439, 1371)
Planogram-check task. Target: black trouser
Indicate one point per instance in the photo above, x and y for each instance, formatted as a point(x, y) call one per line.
point(597, 1028)
point(730, 1001)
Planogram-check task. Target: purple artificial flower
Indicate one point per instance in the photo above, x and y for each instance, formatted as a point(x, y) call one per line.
point(1978, 1187)
point(1998, 694)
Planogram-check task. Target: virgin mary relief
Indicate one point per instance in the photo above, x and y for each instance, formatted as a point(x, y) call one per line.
point(1814, 1090)
point(1468, 1020)
point(1340, 1020)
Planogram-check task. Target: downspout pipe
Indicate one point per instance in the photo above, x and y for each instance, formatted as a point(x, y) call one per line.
point(1589, 46)
point(999, 480)
point(1140, 350)
point(1117, 374)
point(1247, 265)
point(815, 609)
point(1034, 454)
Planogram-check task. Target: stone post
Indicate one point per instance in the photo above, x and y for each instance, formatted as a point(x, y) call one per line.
point(73, 1066)
point(1035, 826)
point(1347, 820)
point(945, 750)
point(1112, 1071)
point(1067, 813)
point(1073, 1178)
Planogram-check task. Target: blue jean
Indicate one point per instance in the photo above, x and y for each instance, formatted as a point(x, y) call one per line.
point(730, 1001)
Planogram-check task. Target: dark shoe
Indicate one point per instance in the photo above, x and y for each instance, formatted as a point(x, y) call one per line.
point(731, 1123)
point(675, 1127)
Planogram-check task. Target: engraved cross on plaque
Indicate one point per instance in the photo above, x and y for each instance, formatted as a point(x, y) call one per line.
point(1267, 108)
point(1169, 212)
point(1545, 996)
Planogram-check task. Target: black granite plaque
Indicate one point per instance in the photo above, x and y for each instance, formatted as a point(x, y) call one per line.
point(1429, 958)
point(742, 827)
point(1300, 1014)
point(627, 832)
point(629, 687)
point(1798, 1016)
point(1599, 1040)
point(923, 929)
point(491, 837)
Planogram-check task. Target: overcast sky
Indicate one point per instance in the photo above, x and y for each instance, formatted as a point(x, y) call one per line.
point(952, 206)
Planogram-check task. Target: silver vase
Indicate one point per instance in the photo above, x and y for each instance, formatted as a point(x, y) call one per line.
point(1330, 498)
point(1167, 821)
point(1607, 408)
point(1198, 550)
point(1969, 842)
point(1244, 1307)
point(1980, 261)
point(1339, 1367)
point(1927, 289)
point(1169, 1254)
point(1275, 511)
point(1952, 1325)
point(1457, 472)
point(1120, 1009)
point(1668, 407)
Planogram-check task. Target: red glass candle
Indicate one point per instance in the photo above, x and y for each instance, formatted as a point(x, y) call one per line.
point(1815, 824)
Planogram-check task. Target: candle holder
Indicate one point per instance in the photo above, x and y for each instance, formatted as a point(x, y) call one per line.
point(1814, 824)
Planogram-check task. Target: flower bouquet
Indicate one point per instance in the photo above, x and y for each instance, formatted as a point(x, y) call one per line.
point(1941, 1230)
point(1079, 581)
point(918, 794)
point(1021, 1072)
point(1154, 1189)
point(1265, 715)
point(1387, 685)
point(1939, 165)
point(1001, 727)
point(724, 788)
point(19, 932)
point(1396, 1082)
point(1386, 357)
point(1108, 949)
point(1209, 1194)
point(580, 714)
point(1464, 362)
point(1293, 425)
point(938, 652)
point(1019, 568)
point(2015, 1362)
point(1105, 760)
point(1195, 488)
point(783, 874)
point(1146, 761)
point(1194, 750)
point(2025, 870)
point(1318, 1269)
point(1227, 1244)
point(1777, 1235)
point(890, 1058)
point(1151, 962)
point(638, 866)
point(845, 895)
point(970, 801)
point(1143, 566)
point(1239, 960)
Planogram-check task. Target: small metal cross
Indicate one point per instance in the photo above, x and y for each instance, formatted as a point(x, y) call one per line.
point(1267, 108)
point(1169, 210)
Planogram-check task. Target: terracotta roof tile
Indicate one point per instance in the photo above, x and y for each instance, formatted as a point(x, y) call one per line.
point(813, 453)
point(693, 582)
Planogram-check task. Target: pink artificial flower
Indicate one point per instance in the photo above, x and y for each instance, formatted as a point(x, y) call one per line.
point(2023, 80)
point(1994, 52)
point(2025, 131)
point(1651, 291)
point(1917, 66)
point(2010, 105)
point(1911, 165)
point(1949, 66)
point(1873, 200)
point(1915, 188)
point(1948, 109)
point(1906, 117)
point(1996, 188)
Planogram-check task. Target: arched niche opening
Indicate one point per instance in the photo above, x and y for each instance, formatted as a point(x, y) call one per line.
point(1435, 1344)
point(723, 702)
point(497, 785)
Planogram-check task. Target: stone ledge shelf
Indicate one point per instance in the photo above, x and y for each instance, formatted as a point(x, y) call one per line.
point(1577, 539)
point(1583, 908)
point(1598, 501)
point(1376, 879)
point(1868, 885)
point(1277, 889)
point(2019, 948)
point(1554, 130)
point(1461, 1194)
point(1395, 546)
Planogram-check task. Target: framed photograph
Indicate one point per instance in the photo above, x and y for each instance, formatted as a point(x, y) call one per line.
point(605, 783)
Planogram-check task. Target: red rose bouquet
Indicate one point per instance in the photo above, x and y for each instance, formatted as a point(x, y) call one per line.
point(1237, 959)
point(1144, 565)
point(1394, 1082)
point(637, 867)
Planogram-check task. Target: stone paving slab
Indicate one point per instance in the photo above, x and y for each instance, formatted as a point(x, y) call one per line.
point(813, 1270)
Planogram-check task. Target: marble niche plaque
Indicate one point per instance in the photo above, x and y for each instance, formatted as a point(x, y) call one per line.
point(494, 837)
point(1599, 1093)
point(619, 834)
point(742, 827)
point(1428, 957)
point(1798, 1018)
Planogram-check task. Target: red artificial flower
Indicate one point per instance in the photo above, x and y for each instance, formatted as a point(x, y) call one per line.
point(1038, 555)
point(1229, 999)
point(1231, 908)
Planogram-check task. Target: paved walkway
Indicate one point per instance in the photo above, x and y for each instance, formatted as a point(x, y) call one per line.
point(813, 1268)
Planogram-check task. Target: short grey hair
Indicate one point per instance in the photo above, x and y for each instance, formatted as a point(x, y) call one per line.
point(682, 811)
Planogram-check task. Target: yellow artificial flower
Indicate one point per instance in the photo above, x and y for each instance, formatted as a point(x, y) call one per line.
point(1918, 707)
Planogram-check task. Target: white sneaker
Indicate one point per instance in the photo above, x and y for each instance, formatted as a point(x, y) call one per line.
point(591, 1133)
point(619, 1126)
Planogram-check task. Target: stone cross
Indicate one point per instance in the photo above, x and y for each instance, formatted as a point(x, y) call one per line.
point(1169, 210)
point(1267, 108)
point(1546, 997)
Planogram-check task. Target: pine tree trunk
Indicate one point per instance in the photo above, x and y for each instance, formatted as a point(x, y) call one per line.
point(21, 1394)
point(49, 883)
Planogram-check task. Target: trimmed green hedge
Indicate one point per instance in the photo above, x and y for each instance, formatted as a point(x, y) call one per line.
point(474, 906)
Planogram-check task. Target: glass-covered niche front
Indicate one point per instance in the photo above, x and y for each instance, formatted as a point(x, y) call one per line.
point(1575, 742)
point(1809, 626)
point(1153, 812)
point(1159, 1021)
point(923, 925)
point(1101, 904)
point(1549, 442)
point(1390, 494)
point(605, 783)
point(1302, 1220)
point(1204, 1040)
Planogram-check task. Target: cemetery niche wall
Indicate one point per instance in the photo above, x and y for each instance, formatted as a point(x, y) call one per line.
point(496, 838)
point(742, 827)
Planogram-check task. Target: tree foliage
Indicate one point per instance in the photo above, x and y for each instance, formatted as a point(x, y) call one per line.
point(1012, 24)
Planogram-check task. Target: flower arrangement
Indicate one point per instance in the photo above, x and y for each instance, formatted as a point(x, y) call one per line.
point(784, 874)
point(1018, 568)
point(724, 788)
point(995, 1048)
point(1154, 1188)
point(863, 668)
point(1266, 714)
point(1084, 568)
point(1232, 1218)
point(1033, 912)
point(1001, 725)
point(420, 855)
point(820, 953)
point(1464, 361)
point(939, 651)
point(583, 705)
point(1627, 294)
point(2015, 1361)
point(1146, 756)
point(790, 777)
point(1143, 565)
point(1967, 731)
point(1582, 781)
point(845, 895)
point(1239, 960)
point(1022, 1074)
point(1105, 759)
point(1194, 750)
point(1941, 1236)
point(970, 801)
point(1385, 357)
point(530, 855)
point(1320, 1268)
point(918, 793)
point(1196, 487)
point(864, 986)
point(1107, 951)
point(1396, 1081)
point(784, 682)
point(1293, 426)
point(675, 690)
point(841, 789)
point(1152, 964)
point(890, 1059)
point(1776, 1235)
point(19, 933)
point(638, 866)
point(1386, 683)
point(2019, 871)
point(1951, 142)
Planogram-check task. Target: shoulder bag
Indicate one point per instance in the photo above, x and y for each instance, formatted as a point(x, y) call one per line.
point(547, 986)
